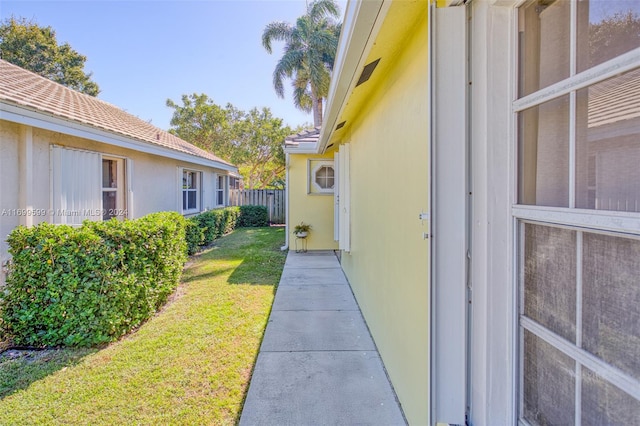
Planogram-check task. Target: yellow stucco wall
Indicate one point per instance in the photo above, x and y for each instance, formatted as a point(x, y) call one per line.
point(388, 266)
point(314, 209)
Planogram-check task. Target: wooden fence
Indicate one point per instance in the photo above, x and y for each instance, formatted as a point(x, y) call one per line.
point(273, 199)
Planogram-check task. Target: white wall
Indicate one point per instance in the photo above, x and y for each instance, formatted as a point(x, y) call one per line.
point(154, 179)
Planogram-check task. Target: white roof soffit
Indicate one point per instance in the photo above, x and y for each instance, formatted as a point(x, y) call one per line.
point(45, 121)
point(362, 21)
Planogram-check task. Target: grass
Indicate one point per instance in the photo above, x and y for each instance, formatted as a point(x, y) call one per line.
point(190, 364)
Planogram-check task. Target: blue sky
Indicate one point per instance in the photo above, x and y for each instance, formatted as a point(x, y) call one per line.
point(144, 52)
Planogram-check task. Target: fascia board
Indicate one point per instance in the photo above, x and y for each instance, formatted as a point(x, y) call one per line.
point(39, 120)
point(362, 22)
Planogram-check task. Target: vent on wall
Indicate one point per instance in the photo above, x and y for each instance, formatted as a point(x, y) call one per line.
point(340, 125)
point(367, 71)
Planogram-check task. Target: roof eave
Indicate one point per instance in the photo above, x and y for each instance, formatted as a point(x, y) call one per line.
point(362, 21)
point(34, 118)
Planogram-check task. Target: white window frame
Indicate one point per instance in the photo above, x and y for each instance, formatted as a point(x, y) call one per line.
point(197, 190)
point(221, 189)
point(120, 210)
point(582, 220)
point(314, 166)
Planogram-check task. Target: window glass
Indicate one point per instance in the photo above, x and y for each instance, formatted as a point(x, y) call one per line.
point(605, 404)
point(606, 29)
point(550, 278)
point(544, 39)
point(608, 144)
point(325, 177)
point(109, 175)
point(190, 194)
point(611, 294)
point(549, 384)
point(544, 154)
point(109, 188)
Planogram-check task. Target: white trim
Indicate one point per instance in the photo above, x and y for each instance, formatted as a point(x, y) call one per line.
point(345, 198)
point(589, 77)
point(362, 22)
point(198, 191)
point(313, 167)
point(625, 222)
point(128, 173)
point(449, 216)
point(43, 121)
point(598, 366)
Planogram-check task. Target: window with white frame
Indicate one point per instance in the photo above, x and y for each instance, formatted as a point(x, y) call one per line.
point(220, 190)
point(191, 191)
point(322, 177)
point(86, 185)
point(113, 199)
point(578, 114)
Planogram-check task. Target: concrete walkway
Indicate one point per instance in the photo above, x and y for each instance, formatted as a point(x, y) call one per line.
point(318, 364)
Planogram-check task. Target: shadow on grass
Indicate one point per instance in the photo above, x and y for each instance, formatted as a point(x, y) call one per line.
point(259, 262)
point(20, 368)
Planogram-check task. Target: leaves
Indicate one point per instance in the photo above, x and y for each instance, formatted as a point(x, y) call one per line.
point(89, 285)
point(35, 48)
point(308, 56)
point(251, 140)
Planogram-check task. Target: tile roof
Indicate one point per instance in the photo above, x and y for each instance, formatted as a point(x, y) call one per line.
point(615, 99)
point(309, 135)
point(24, 88)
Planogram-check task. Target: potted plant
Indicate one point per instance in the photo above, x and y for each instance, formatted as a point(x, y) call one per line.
point(301, 230)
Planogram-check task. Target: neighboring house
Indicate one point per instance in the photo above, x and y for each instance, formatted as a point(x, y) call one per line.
point(486, 205)
point(66, 157)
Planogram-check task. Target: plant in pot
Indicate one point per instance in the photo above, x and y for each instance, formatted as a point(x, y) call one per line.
point(301, 230)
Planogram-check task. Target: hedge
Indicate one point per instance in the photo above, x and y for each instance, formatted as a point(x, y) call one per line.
point(204, 228)
point(253, 216)
point(89, 285)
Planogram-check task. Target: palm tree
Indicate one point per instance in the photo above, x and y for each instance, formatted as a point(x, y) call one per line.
point(309, 52)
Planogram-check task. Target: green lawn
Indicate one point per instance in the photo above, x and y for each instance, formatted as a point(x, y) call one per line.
point(190, 364)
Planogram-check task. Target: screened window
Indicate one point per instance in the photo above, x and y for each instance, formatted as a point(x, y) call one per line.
point(578, 174)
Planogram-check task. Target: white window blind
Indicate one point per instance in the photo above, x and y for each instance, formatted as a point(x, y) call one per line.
point(76, 185)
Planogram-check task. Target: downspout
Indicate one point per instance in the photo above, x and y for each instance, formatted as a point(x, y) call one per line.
point(286, 201)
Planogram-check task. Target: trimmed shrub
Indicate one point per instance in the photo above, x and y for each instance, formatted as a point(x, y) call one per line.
point(206, 227)
point(194, 235)
point(89, 285)
point(253, 216)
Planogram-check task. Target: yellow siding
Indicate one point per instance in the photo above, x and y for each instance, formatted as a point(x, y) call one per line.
point(388, 266)
point(313, 209)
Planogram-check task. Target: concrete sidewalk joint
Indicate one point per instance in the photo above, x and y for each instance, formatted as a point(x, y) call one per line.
point(318, 364)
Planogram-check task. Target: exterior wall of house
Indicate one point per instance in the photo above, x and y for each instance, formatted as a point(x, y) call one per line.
point(313, 209)
point(154, 179)
point(388, 263)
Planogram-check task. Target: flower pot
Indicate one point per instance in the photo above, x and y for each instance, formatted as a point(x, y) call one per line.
point(301, 234)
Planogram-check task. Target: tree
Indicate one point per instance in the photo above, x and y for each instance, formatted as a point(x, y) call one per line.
point(259, 152)
point(309, 53)
point(613, 36)
point(35, 48)
point(251, 140)
point(203, 123)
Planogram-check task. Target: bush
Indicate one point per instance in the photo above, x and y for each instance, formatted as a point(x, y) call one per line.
point(89, 285)
point(194, 235)
point(206, 227)
point(253, 216)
